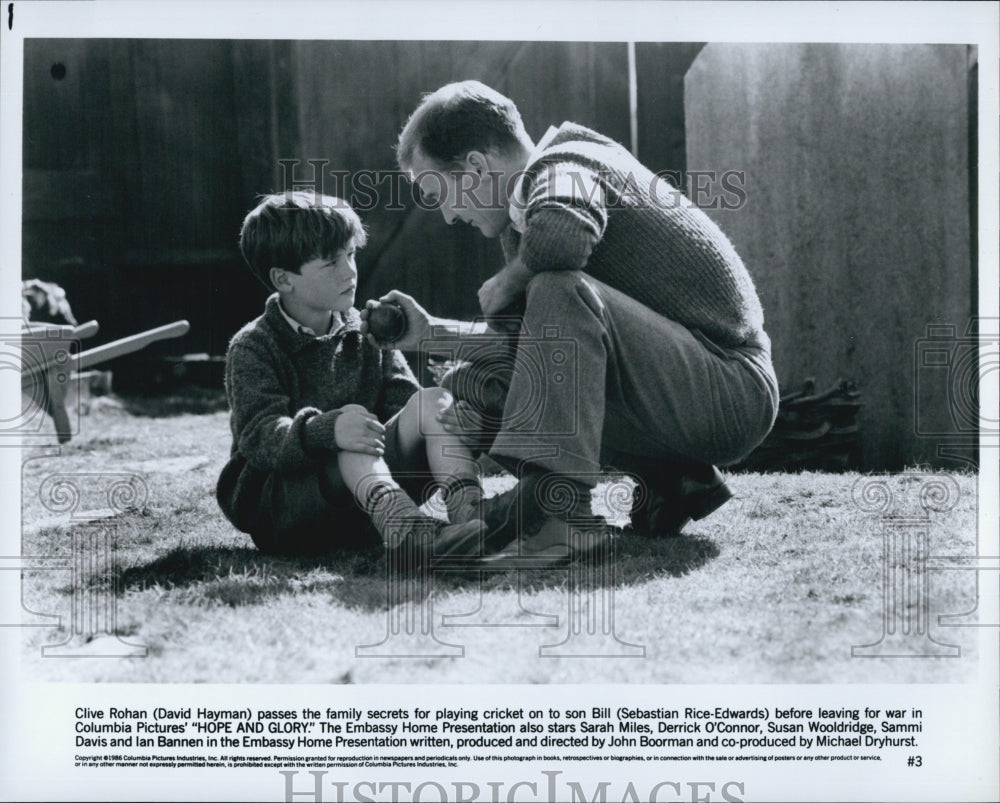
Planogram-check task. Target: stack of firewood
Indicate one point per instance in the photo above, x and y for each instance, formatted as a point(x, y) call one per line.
point(814, 431)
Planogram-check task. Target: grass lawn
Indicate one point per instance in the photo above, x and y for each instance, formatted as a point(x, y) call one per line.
point(775, 587)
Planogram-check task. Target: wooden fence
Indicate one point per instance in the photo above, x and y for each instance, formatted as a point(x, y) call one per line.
point(142, 156)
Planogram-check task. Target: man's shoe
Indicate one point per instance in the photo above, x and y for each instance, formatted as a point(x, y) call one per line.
point(554, 543)
point(506, 514)
point(671, 505)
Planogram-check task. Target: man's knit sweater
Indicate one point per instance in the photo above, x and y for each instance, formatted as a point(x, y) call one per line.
point(586, 203)
point(280, 383)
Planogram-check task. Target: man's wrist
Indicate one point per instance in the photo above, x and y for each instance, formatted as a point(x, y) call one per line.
point(518, 274)
point(447, 329)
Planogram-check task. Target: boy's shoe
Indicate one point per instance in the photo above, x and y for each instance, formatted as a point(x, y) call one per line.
point(416, 541)
point(672, 504)
point(556, 542)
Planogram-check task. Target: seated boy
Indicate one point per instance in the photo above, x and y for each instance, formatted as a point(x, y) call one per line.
point(318, 414)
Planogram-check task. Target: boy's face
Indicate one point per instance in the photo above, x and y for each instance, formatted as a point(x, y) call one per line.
point(327, 283)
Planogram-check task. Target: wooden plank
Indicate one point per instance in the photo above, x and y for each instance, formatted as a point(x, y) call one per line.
point(64, 195)
point(184, 133)
point(54, 71)
point(660, 69)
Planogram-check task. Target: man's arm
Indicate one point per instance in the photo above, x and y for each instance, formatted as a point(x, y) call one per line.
point(422, 328)
point(565, 217)
point(505, 287)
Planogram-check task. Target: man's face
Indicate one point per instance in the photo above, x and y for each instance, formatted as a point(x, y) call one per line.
point(472, 194)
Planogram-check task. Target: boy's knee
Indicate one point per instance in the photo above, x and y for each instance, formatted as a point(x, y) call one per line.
point(483, 384)
point(425, 405)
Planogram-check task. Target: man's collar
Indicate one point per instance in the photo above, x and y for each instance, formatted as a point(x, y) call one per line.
point(516, 202)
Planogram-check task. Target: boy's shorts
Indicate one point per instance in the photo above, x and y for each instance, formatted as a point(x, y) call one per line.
point(303, 512)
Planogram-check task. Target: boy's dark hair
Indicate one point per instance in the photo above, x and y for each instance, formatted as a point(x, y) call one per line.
point(287, 229)
point(458, 118)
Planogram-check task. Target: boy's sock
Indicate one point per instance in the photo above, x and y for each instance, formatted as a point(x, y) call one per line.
point(397, 518)
point(412, 538)
point(463, 498)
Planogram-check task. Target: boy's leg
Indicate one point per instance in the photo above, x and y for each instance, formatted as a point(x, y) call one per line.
point(370, 482)
point(450, 461)
point(312, 511)
point(419, 429)
point(481, 379)
point(403, 527)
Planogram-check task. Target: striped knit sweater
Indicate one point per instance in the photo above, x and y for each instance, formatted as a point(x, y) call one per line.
point(280, 383)
point(587, 204)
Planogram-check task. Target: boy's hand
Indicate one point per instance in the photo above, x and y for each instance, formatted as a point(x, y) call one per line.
point(418, 322)
point(357, 430)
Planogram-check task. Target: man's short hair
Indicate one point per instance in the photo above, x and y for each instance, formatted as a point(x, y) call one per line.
point(458, 118)
point(288, 229)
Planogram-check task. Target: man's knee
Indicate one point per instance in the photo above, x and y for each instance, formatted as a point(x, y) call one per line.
point(562, 289)
point(554, 281)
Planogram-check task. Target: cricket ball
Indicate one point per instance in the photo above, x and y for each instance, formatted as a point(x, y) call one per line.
point(386, 321)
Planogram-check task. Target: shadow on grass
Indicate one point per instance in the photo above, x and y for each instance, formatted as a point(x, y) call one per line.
point(637, 560)
point(357, 579)
point(245, 576)
point(192, 401)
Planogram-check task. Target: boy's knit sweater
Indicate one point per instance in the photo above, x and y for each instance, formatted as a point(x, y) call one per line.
point(586, 203)
point(279, 384)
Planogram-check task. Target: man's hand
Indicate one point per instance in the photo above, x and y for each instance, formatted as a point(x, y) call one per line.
point(357, 430)
point(500, 291)
point(462, 419)
point(418, 322)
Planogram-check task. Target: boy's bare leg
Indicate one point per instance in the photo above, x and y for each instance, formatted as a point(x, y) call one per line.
point(360, 473)
point(450, 460)
point(419, 428)
point(379, 495)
